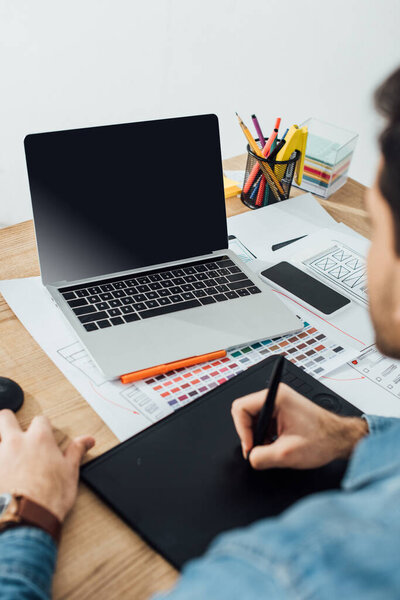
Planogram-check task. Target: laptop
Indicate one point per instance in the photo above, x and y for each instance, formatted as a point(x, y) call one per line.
point(134, 253)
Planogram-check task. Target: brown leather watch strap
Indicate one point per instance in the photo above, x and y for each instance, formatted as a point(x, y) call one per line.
point(34, 514)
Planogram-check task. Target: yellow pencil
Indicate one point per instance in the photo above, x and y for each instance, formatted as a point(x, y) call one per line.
point(265, 168)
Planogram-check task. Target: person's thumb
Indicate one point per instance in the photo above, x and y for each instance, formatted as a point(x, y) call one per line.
point(78, 448)
point(277, 454)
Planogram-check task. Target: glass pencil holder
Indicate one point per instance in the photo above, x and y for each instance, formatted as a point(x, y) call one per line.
point(267, 181)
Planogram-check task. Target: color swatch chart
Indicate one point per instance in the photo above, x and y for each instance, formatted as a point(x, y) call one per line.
point(311, 350)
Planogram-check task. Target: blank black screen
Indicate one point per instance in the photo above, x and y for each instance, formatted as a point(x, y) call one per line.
point(120, 197)
point(305, 287)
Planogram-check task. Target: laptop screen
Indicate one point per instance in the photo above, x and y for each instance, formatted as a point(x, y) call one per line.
point(120, 197)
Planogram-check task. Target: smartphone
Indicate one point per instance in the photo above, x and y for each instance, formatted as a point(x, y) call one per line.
point(305, 287)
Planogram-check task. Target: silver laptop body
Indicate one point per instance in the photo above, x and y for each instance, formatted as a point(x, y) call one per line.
point(135, 257)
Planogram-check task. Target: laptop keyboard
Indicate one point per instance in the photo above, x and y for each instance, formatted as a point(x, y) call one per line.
point(126, 299)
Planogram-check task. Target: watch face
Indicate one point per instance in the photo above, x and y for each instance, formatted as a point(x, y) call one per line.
point(5, 500)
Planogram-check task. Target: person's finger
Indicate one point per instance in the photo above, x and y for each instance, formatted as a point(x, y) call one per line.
point(243, 412)
point(277, 454)
point(41, 425)
point(8, 423)
point(78, 448)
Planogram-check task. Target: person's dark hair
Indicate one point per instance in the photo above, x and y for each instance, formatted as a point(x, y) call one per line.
point(387, 101)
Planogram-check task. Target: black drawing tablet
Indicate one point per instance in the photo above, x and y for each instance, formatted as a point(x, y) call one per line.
point(183, 481)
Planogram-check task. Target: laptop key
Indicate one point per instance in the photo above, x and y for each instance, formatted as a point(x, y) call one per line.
point(164, 292)
point(97, 316)
point(221, 280)
point(77, 302)
point(142, 280)
point(94, 299)
point(254, 290)
point(236, 277)
point(187, 295)
point(119, 294)
point(155, 286)
point(155, 277)
point(211, 282)
point(223, 272)
point(201, 268)
point(220, 297)
point(234, 269)
point(90, 326)
point(82, 310)
point(198, 285)
point(152, 295)
point(139, 306)
point(114, 312)
point(200, 293)
point(221, 288)
point(94, 290)
point(119, 285)
point(212, 266)
point(201, 277)
point(115, 303)
point(117, 320)
point(211, 291)
point(179, 273)
point(167, 284)
point(139, 298)
point(82, 293)
point(128, 300)
point(102, 306)
point(132, 317)
point(207, 300)
point(191, 278)
point(131, 290)
point(69, 295)
point(243, 292)
point(127, 309)
point(106, 296)
point(178, 281)
point(167, 275)
point(163, 310)
point(232, 295)
point(237, 285)
point(104, 324)
point(164, 301)
point(189, 270)
point(176, 289)
point(188, 287)
point(108, 287)
point(152, 304)
point(176, 298)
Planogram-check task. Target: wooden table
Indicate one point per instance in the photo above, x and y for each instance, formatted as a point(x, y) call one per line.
point(99, 557)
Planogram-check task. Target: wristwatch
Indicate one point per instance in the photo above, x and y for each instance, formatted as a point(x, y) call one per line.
point(16, 509)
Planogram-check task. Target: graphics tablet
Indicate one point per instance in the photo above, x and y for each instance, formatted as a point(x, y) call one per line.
point(183, 481)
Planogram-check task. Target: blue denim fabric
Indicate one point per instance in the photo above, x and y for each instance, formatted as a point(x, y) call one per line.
point(341, 544)
point(27, 562)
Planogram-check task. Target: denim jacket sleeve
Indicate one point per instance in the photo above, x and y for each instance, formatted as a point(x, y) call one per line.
point(27, 562)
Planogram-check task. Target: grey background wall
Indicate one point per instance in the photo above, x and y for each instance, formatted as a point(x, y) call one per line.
point(76, 63)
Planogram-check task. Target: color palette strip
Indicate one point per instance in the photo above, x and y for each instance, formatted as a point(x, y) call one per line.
point(311, 350)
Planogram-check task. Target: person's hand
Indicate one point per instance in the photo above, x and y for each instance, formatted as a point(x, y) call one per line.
point(308, 436)
point(32, 464)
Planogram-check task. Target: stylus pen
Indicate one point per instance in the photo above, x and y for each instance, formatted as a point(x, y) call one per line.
point(265, 418)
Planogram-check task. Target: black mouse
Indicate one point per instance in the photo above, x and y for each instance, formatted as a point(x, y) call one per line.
point(11, 394)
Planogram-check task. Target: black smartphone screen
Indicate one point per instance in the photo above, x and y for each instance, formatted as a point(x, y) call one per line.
point(305, 287)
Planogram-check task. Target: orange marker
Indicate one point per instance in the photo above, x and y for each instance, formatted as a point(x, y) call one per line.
point(177, 364)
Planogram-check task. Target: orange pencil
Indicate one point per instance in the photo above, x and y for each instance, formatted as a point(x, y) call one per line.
point(265, 153)
point(177, 364)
